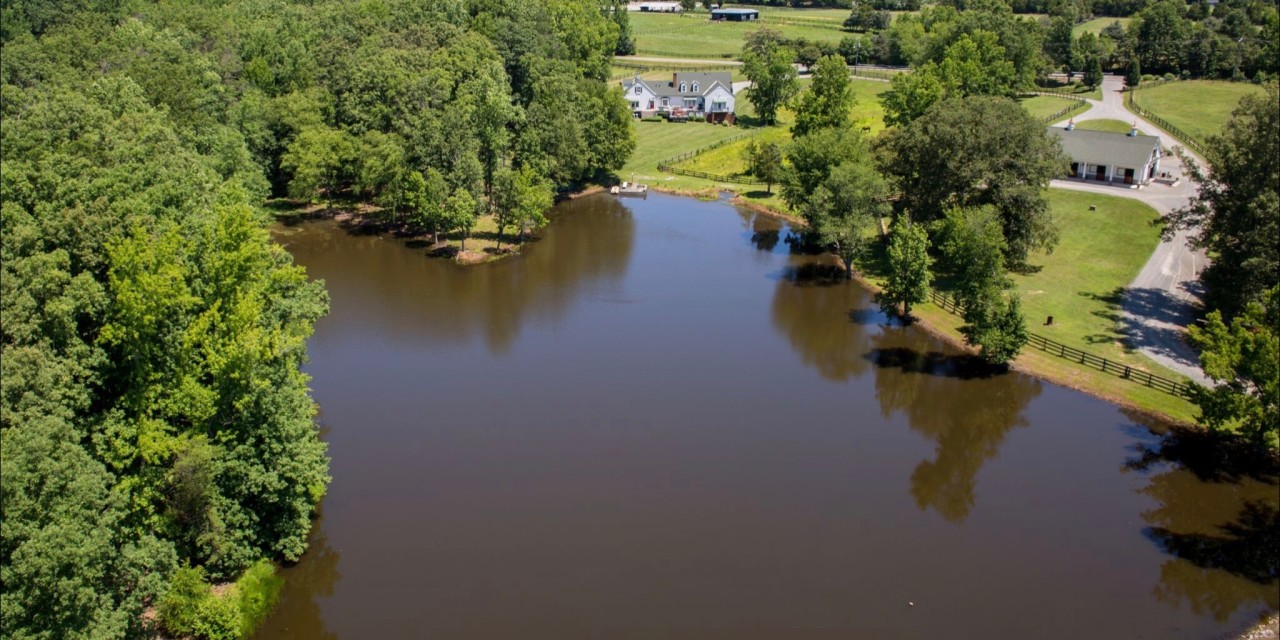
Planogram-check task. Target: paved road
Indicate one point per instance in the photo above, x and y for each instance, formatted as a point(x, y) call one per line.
point(1161, 301)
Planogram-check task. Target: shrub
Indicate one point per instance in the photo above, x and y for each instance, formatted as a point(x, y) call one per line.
point(179, 607)
point(257, 591)
point(1169, 76)
point(654, 118)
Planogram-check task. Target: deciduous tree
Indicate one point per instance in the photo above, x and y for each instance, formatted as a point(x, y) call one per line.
point(909, 275)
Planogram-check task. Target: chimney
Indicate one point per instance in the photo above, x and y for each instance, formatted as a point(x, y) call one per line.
point(1071, 124)
point(1133, 129)
point(673, 78)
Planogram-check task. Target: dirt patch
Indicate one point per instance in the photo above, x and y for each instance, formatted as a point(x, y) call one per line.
point(472, 257)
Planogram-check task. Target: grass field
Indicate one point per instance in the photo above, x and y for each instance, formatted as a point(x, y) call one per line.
point(1114, 126)
point(1198, 107)
point(1096, 25)
point(657, 141)
point(695, 36)
point(1079, 285)
point(730, 159)
point(663, 71)
point(1041, 107)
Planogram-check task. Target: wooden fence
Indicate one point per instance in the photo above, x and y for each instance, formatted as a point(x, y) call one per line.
point(669, 165)
point(1055, 348)
point(1131, 101)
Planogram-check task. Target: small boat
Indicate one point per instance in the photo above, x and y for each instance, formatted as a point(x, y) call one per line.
point(630, 190)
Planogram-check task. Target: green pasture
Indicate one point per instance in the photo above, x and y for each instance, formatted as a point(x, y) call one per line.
point(1198, 107)
point(1096, 25)
point(695, 36)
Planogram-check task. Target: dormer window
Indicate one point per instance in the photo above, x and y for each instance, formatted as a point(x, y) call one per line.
point(683, 87)
point(637, 89)
point(695, 87)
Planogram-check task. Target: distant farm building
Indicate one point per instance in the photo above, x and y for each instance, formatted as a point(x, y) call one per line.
point(657, 7)
point(686, 95)
point(1102, 156)
point(735, 15)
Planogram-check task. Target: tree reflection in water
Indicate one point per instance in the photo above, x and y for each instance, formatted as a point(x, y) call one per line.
point(313, 577)
point(955, 400)
point(450, 303)
point(962, 404)
point(1217, 514)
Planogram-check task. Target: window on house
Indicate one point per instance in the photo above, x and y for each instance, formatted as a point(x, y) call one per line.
point(683, 87)
point(719, 106)
point(635, 104)
point(695, 87)
point(664, 102)
point(637, 89)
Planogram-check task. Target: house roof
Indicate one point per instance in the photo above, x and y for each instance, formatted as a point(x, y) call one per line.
point(1105, 147)
point(733, 12)
point(706, 81)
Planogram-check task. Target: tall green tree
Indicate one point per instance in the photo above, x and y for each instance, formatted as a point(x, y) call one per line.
point(909, 276)
point(827, 101)
point(1236, 215)
point(845, 208)
point(774, 82)
point(811, 158)
point(317, 160)
point(1132, 74)
point(978, 151)
point(994, 324)
point(1244, 358)
point(764, 162)
point(1093, 72)
point(460, 211)
point(910, 95)
point(521, 198)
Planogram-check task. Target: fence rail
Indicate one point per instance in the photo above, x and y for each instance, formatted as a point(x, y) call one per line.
point(1055, 348)
point(1131, 100)
point(669, 165)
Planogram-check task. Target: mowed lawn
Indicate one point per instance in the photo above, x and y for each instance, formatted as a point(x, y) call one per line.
point(1041, 107)
point(657, 141)
point(695, 36)
point(663, 71)
point(1079, 284)
point(1199, 107)
point(1114, 126)
point(731, 158)
point(1096, 25)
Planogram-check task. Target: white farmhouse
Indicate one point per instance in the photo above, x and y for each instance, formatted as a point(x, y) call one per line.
point(708, 95)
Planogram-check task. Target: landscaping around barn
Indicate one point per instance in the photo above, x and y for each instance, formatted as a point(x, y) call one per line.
point(1112, 126)
point(1199, 107)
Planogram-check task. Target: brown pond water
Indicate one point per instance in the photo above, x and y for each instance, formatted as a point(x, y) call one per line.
point(657, 423)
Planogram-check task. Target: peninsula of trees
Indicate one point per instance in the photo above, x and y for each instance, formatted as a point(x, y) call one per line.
point(157, 430)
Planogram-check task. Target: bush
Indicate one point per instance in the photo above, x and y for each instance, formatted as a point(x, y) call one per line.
point(654, 118)
point(1169, 76)
point(257, 591)
point(179, 607)
point(219, 619)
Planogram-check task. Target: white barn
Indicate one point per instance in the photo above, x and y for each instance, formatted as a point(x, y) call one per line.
point(1103, 156)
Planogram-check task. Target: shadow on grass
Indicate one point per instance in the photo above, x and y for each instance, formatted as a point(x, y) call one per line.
point(758, 194)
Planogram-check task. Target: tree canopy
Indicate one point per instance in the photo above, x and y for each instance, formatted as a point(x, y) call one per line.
point(153, 411)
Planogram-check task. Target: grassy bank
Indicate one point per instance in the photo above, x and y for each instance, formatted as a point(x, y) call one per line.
point(1198, 107)
point(1041, 107)
point(1079, 284)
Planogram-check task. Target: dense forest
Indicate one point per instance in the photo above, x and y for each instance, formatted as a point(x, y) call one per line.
point(157, 430)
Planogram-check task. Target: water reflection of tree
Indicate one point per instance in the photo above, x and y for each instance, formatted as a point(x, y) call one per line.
point(427, 299)
point(956, 401)
point(297, 614)
point(766, 231)
point(821, 314)
point(1217, 515)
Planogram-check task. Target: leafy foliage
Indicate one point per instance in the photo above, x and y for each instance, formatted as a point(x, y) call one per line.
point(827, 101)
point(907, 282)
point(773, 80)
point(1244, 357)
point(973, 152)
point(1236, 216)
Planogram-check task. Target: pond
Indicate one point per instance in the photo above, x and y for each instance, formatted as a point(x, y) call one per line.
point(658, 422)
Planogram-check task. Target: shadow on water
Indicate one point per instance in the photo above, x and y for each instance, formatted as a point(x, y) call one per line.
point(297, 614)
point(964, 405)
point(824, 317)
point(1217, 515)
point(449, 303)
